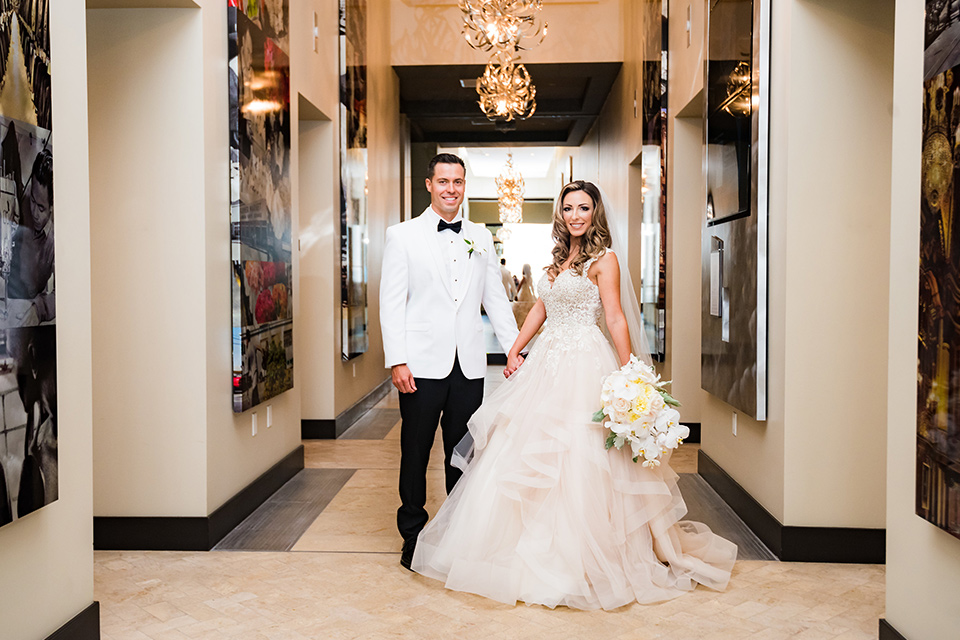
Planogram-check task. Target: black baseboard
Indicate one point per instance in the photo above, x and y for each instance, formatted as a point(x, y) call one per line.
point(887, 632)
point(318, 429)
point(193, 533)
point(694, 431)
point(330, 429)
point(795, 544)
point(83, 626)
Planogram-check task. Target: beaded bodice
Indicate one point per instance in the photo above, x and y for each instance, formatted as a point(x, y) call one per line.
point(573, 300)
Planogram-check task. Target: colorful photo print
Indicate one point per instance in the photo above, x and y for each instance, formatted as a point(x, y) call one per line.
point(938, 357)
point(28, 333)
point(261, 201)
point(353, 177)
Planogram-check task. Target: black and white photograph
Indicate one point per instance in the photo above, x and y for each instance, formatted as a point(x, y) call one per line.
point(28, 341)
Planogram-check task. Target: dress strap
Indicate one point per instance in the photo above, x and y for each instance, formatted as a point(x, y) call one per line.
point(589, 263)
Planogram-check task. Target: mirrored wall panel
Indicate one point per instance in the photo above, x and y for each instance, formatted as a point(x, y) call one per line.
point(653, 248)
point(260, 200)
point(734, 233)
point(28, 308)
point(353, 177)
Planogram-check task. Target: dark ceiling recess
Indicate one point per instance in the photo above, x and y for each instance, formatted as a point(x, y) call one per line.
point(442, 110)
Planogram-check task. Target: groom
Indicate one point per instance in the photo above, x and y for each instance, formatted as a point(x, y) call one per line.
point(437, 270)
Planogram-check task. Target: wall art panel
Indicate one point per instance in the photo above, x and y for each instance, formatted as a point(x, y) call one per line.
point(28, 309)
point(938, 356)
point(260, 200)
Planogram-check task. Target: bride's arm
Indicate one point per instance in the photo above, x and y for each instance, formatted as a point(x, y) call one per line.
point(535, 319)
point(607, 270)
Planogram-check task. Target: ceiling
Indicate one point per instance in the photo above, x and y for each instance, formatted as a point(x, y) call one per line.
point(442, 110)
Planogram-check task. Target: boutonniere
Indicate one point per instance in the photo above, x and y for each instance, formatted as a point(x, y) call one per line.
point(472, 248)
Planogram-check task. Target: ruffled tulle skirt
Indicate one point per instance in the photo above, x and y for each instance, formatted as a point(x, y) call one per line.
point(544, 515)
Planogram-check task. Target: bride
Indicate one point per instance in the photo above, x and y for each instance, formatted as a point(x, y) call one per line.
point(543, 513)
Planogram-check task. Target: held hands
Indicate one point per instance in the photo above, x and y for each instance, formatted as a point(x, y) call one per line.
point(513, 363)
point(403, 378)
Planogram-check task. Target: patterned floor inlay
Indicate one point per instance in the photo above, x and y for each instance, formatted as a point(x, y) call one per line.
point(280, 521)
point(374, 425)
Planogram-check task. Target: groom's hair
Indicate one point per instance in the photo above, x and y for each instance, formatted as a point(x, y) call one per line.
point(443, 158)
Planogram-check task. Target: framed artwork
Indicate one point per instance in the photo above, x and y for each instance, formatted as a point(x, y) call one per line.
point(260, 200)
point(353, 178)
point(28, 308)
point(733, 253)
point(938, 340)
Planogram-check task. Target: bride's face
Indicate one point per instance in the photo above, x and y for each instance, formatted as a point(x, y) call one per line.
point(577, 211)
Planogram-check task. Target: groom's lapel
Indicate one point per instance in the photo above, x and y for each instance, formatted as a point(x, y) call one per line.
point(431, 241)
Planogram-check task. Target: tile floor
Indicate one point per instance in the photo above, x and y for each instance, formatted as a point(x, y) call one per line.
point(342, 580)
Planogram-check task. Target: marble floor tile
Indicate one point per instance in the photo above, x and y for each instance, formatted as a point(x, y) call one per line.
point(295, 596)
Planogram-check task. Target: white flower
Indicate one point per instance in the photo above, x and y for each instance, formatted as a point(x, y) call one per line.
point(619, 428)
point(668, 417)
point(472, 248)
point(620, 405)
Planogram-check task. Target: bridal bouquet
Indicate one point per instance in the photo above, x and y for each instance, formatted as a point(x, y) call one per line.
point(639, 411)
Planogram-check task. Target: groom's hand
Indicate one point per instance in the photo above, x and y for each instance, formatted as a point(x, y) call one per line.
point(513, 363)
point(403, 379)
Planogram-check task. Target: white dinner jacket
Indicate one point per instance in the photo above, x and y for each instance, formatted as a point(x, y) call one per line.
point(423, 326)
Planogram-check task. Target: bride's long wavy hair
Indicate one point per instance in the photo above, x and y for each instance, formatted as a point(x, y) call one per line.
point(594, 242)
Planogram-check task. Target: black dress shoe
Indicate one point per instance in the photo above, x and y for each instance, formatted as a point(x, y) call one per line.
point(406, 555)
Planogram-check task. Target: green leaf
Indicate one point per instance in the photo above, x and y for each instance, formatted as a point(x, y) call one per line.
point(636, 458)
point(669, 399)
point(610, 439)
point(599, 416)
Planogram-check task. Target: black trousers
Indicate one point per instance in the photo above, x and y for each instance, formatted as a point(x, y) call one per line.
point(451, 401)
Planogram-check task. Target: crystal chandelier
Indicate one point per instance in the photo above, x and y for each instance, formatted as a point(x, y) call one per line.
point(505, 90)
point(502, 24)
point(510, 192)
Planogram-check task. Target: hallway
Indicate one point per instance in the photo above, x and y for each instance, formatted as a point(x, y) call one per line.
point(341, 579)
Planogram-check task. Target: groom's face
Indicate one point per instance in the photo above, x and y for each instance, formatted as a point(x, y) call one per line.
point(446, 189)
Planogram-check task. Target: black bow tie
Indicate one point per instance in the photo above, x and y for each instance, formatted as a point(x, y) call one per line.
point(454, 226)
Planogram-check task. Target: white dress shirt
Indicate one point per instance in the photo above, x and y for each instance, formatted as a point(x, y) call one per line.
point(454, 251)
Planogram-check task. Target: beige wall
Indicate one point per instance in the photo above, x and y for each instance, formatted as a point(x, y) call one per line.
point(46, 557)
point(316, 350)
point(147, 243)
point(923, 562)
point(578, 32)
point(685, 196)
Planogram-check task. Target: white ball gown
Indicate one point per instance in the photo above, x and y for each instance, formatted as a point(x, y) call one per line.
point(543, 513)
